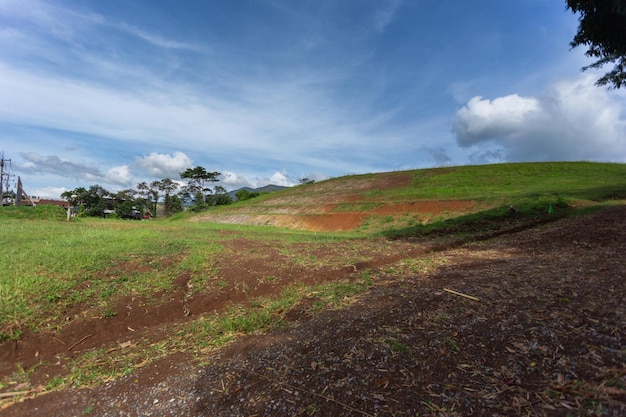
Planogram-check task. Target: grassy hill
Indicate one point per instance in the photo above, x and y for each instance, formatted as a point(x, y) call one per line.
point(44, 212)
point(397, 200)
point(92, 300)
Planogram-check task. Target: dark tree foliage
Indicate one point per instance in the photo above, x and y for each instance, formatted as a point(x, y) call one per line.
point(95, 201)
point(220, 197)
point(126, 209)
point(151, 193)
point(602, 29)
point(125, 204)
point(174, 204)
point(76, 197)
point(245, 194)
point(168, 186)
point(197, 178)
point(98, 202)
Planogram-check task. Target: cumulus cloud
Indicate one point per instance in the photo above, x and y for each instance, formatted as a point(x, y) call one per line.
point(281, 178)
point(482, 119)
point(164, 165)
point(572, 120)
point(119, 175)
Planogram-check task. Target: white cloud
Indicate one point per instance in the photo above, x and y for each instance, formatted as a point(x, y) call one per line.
point(232, 181)
point(482, 120)
point(119, 175)
point(280, 178)
point(48, 192)
point(291, 121)
point(163, 165)
point(572, 120)
point(267, 116)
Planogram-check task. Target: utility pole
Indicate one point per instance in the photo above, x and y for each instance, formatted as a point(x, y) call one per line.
point(2, 175)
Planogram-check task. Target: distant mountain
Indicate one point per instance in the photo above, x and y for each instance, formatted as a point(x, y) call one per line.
point(265, 189)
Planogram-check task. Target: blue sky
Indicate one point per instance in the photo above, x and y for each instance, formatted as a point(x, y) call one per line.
point(270, 91)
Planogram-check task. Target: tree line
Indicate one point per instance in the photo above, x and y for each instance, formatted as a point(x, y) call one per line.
point(144, 198)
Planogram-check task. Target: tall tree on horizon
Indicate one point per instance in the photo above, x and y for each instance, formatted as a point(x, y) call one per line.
point(151, 192)
point(167, 186)
point(198, 177)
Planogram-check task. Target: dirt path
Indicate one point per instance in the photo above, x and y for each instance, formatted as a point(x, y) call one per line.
point(547, 336)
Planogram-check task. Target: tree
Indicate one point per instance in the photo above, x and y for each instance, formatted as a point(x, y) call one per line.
point(128, 205)
point(245, 194)
point(221, 197)
point(92, 202)
point(602, 28)
point(184, 194)
point(96, 200)
point(151, 193)
point(197, 178)
point(175, 204)
point(168, 186)
point(76, 197)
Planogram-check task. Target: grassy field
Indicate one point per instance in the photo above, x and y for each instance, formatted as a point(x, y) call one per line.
point(50, 265)
point(46, 259)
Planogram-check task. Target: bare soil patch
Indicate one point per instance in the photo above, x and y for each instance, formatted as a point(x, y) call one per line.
point(546, 337)
point(327, 206)
point(331, 218)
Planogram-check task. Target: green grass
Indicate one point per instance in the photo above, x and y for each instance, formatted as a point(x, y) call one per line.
point(502, 183)
point(50, 265)
point(33, 213)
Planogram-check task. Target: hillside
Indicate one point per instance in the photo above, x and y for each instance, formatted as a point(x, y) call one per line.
point(396, 200)
point(478, 311)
